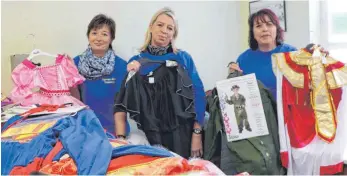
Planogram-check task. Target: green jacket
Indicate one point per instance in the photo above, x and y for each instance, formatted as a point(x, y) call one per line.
point(258, 155)
point(237, 101)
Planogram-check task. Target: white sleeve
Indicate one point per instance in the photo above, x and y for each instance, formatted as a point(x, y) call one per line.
point(282, 129)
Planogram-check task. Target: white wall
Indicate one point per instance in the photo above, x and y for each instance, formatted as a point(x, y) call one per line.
point(207, 30)
point(298, 30)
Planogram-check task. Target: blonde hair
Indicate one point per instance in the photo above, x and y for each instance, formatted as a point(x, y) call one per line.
point(168, 12)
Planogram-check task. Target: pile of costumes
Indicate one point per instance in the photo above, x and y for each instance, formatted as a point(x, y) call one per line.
point(51, 132)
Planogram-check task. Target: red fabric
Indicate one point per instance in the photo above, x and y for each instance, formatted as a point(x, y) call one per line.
point(332, 169)
point(303, 96)
point(26, 170)
point(299, 118)
point(334, 66)
point(54, 91)
point(298, 111)
point(336, 96)
point(284, 159)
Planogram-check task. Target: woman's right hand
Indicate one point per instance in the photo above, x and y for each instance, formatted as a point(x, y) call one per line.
point(133, 66)
point(234, 66)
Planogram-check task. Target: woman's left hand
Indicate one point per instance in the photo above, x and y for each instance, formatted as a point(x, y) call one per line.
point(196, 149)
point(321, 49)
point(326, 52)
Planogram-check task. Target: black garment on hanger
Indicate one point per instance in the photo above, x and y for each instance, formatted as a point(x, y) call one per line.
point(163, 106)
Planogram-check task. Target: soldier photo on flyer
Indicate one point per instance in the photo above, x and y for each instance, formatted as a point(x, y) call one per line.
point(241, 108)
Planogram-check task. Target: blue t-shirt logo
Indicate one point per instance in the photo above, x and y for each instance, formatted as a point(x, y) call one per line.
point(109, 80)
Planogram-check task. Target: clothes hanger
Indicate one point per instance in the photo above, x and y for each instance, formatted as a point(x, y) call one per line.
point(33, 46)
point(38, 52)
point(146, 61)
point(315, 50)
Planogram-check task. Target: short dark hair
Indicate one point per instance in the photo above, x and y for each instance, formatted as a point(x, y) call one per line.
point(235, 87)
point(260, 15)
point(99, 21)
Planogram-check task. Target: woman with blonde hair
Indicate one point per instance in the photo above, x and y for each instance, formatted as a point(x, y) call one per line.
point(175, 132)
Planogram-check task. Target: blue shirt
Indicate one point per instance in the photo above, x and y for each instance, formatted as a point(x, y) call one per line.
point(259, 62)
point(99, 94)
point(186, 61)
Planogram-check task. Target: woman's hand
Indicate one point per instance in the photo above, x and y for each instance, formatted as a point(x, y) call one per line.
point(196, 149)
point(321, 49)
point(234, 66)
point(133, 66)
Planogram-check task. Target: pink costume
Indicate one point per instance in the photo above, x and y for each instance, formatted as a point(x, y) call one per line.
point(51, 82)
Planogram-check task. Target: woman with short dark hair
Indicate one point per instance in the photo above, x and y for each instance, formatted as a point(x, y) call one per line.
point(265, 39)
point(102, 68)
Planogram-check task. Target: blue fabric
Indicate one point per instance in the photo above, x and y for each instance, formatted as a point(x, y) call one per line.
point(87, 144)
point(10, 121)
point(21, 154)
point(185, 60)
point(140, 150)
point(63, 151)
point(82, 137)
point(60, 154)
point(99, 94)
point(258, 62)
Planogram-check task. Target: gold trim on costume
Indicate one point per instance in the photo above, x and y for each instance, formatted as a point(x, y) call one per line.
point(340, 76)
point(320, 82)
point(322, 105)
point(295, 79)
point(302, 57)
point(337, 78)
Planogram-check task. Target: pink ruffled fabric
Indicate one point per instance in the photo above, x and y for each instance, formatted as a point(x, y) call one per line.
point(53, 82)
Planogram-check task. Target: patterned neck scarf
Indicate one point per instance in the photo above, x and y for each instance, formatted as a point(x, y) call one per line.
point(158, 50)
point(92, 67)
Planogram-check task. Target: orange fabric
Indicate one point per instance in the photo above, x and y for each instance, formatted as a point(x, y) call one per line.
point(144, 165)
point(129, 160)
point(49, 158)
point(137, 165)
point(63, 167)
point(37, 163)
point(26, 170)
